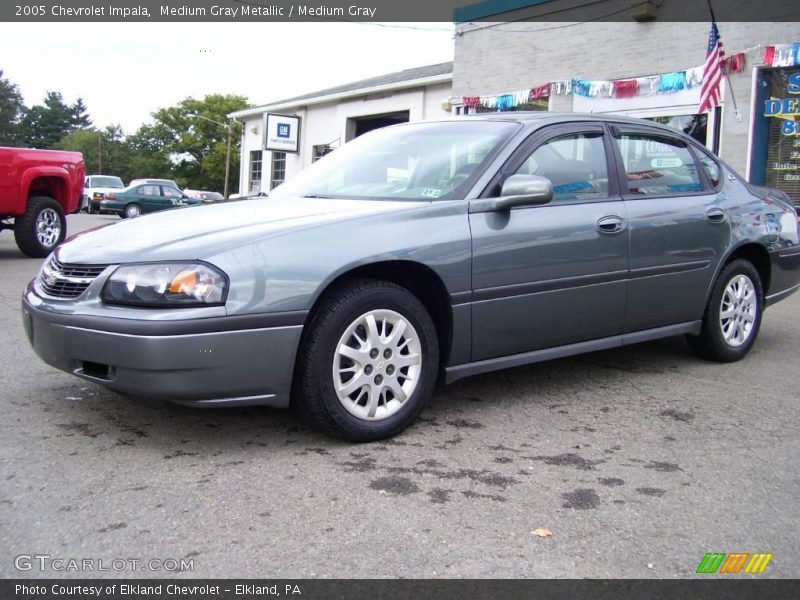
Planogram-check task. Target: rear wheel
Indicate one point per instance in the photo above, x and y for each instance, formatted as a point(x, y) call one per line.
point(733, 315)
point(131, 211)
point(368, 363)
point(41, 228)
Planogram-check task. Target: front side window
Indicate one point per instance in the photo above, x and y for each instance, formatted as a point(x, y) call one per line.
point(419, 161)
point(657, 166)
point(171, 192)
point(575, 164)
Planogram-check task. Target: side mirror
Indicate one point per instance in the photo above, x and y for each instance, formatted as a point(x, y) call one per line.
point(518, 190)
point(525, 190)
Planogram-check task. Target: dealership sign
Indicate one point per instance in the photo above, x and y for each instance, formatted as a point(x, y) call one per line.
point(281, 132)
point(787, 108)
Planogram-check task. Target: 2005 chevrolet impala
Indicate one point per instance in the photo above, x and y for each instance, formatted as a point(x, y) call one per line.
point(418, 252)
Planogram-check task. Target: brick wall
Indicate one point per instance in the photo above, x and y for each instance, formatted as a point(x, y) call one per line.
point(493, 58)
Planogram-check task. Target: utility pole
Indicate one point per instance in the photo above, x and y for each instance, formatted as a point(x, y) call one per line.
point(229, 127)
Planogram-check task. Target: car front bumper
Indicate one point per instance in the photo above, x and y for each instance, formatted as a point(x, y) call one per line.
point(186, 362)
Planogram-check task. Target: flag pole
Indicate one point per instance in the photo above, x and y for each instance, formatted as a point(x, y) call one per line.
point(725, 70)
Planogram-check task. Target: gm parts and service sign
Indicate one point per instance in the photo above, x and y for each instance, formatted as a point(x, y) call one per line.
point(282, 133)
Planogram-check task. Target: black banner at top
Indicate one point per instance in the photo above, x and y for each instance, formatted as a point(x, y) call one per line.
point(394, 589)
point(458, 11)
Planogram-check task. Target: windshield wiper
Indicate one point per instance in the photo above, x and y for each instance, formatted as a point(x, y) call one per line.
point(314, 196)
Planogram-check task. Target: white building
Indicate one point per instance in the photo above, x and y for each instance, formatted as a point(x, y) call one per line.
point(329, 118)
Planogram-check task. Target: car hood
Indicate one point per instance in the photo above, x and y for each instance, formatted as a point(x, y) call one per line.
point(202, 231)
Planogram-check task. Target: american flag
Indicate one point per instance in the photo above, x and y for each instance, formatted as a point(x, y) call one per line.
point(710, 95)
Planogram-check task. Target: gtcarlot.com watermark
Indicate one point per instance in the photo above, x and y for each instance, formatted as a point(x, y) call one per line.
point(57, 564)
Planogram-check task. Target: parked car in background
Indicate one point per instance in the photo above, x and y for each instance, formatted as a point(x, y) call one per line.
point(145, 198)
point(205, 196)
point(169, 182)
point(37, 189)
point(95, 187)
point(423, 252)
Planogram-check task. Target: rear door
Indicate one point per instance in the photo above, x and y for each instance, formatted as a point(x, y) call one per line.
point(679, 229)
point(554, 274)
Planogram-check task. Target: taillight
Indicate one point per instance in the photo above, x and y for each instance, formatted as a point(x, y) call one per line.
point(110, 196)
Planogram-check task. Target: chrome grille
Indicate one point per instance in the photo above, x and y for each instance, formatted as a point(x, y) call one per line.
point(67, 280)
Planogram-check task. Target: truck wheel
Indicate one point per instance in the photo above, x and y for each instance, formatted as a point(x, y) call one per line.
point(733, 314)
point(368, 364)
point(41, 228)
point(131, 211)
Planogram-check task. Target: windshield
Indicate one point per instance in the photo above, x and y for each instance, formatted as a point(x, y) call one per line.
point(108, 182)
point(422, 161)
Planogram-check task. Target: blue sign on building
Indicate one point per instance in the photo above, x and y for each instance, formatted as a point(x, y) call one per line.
point(283, 130)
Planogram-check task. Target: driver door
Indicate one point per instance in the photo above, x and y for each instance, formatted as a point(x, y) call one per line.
point(553, 274)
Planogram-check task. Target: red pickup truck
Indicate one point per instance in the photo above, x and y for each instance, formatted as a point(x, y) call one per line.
point(37, 189)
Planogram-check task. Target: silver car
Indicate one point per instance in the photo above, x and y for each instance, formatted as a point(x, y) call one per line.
point(421, 253)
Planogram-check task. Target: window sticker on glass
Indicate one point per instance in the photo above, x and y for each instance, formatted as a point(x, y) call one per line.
point(666, 163)
point(430, 192)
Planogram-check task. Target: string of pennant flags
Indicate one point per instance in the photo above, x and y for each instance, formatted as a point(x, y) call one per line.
point(781, 55)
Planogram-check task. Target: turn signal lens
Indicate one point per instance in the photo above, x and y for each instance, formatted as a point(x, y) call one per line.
point(184, 282)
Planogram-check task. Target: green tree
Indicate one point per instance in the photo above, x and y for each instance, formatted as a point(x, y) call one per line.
point(104, 152)
point(148, 155)
point(11, 109)
point(45, 125)
point(195, 145)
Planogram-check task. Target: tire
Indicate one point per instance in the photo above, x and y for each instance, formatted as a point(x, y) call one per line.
point(131, 211)
point(376, 408)
point(739, 290)
point(41, 228)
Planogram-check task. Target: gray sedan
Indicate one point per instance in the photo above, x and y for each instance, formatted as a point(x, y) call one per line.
point(417, 253)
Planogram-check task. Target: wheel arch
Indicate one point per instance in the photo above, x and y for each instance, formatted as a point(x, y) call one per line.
point(755, 254)
point(417, 278)
point(51, 186)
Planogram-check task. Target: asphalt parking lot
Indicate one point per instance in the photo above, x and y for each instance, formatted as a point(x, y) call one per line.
point(638, 460)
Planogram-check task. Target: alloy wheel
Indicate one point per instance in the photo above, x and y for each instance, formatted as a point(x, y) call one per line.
point(377, 364)
point(737, 311)
point(48, 227)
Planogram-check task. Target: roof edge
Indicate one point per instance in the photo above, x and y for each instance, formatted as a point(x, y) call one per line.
point(398, 85)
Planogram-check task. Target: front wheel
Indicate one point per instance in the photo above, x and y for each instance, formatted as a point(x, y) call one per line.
point(733, 315)
point(41, 228)
point(368, 362)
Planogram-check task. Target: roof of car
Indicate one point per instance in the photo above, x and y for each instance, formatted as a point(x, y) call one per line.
point(534, 119)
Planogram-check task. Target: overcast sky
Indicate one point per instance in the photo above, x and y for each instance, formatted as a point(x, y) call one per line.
point(125, 71)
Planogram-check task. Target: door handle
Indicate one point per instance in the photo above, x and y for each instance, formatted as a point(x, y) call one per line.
point(716, 215)
point(611, 224)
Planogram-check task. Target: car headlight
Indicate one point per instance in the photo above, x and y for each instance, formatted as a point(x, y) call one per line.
point(166, 285)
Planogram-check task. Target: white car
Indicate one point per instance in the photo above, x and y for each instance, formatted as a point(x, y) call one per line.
point(95, 187)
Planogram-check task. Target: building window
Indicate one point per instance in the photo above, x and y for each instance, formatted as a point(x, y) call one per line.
point(255, 170)
point(693, 125)
point(278, 169)
point(320, 151)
